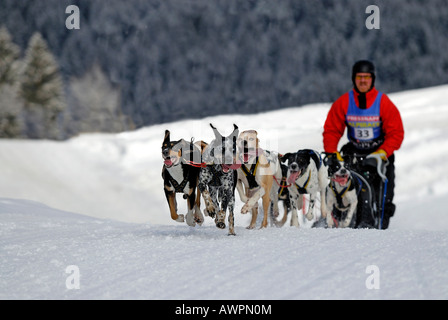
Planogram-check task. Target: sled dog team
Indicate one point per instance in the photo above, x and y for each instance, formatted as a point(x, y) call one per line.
point(214, 170)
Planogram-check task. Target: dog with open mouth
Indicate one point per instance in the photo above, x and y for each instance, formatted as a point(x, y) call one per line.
point(217, 180)
point(341, 194)
point(306, 175)
point(256, 177)
point(180, 173)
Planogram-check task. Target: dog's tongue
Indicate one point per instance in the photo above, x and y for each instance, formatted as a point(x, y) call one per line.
point(168, 162)
point(293, 177)
point(342, 180)
point(246, 157)
point(235, 166)
point(226, 167)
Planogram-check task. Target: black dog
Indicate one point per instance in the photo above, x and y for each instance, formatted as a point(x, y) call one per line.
point(217, 180)
point(180, 173)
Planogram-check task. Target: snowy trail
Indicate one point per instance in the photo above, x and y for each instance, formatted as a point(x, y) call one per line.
point(138, 261)
point(97, 202)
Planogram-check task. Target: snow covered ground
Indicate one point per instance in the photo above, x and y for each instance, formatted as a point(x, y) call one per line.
point(94, 207)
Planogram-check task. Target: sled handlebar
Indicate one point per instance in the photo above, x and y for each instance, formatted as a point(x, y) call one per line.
point(380, 165)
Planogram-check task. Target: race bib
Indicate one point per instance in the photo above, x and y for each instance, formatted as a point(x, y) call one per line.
point(363, 133)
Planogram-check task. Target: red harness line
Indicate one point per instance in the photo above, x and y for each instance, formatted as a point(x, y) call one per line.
point(281, 186)
point(196, 164)
point(286, 186)
point(335, 221)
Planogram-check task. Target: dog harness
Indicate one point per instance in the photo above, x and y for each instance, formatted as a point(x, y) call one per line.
point(179, 187)
point(282, 185)
point(250, 174)
point(302, 190)
point(340, 195)
point(354, 182)
point(364, 125)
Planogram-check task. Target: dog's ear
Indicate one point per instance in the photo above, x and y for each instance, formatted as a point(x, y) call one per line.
point(234, 135)
point(285, 157)
point(218, 136)
point(166, 139)
point(327, 158)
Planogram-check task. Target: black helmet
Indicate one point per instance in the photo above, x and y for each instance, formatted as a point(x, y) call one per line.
point(364, 66)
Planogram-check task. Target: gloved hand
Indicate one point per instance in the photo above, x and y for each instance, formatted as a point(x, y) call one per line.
point(381, 153)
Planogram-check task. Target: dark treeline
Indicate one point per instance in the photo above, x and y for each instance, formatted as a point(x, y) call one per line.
point(164, 60)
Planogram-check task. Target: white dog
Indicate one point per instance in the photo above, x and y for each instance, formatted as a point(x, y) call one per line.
point(306, 175)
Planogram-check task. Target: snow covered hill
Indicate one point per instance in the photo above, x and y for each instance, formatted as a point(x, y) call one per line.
point(95, 205)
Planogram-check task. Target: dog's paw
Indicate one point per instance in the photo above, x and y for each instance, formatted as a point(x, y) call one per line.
point(211, 214)
point(344, 224)
point(189, 219)
point(180, 218)
point(220, 225)
point(198, 217)
point(309, 216)
point(199, 220)
point(246, 208)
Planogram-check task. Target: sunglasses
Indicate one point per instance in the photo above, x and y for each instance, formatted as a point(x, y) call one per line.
point(365, 77)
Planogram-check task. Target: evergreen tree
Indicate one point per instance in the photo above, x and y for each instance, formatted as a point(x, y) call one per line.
point(9, 55)
point(10, 105)
point(41, 88)
point(97, 104)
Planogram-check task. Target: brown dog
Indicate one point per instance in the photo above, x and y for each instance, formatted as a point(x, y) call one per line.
point(255, 176)
point(180, 173)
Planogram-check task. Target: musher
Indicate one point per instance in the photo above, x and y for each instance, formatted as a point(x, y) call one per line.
point(374, 126)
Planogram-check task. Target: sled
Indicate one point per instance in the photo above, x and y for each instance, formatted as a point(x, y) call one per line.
point(371, 173)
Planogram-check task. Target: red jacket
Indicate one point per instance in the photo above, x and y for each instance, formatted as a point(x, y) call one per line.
point(334, 126)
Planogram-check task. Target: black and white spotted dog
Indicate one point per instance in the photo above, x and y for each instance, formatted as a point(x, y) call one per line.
point(217, 180)
point(341, 194)
point(306, 175)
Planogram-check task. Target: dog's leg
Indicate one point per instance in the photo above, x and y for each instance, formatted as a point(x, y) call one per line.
point(220, 218)
point(205, 176)
point(296, 200)
point(209, 207)
point(231, 223)
point(310, 213)
point(231, 217)
point(254, 196)
point(353, 204)
point(241, 192)
point(253, 220)
point(198, 217)
point(330, 201)
point(274, 199)
point(266, 200)
point(285, 215)
point(323, 204)
point(189, 217)
point(171, 198)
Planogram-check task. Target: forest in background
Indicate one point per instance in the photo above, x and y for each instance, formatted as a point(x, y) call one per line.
point(140, 62)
